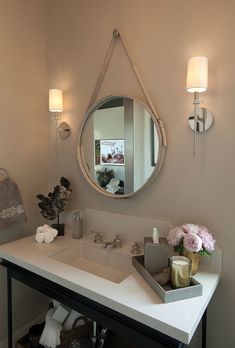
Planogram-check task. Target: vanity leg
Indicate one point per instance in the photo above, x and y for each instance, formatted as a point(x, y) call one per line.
point(204, 329)
point(9, 308)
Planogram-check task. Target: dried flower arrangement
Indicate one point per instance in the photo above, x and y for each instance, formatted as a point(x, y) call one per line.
point(54, 204)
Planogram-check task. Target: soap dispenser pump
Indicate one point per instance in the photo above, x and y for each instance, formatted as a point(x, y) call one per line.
point(155, 236)
point(76, 227)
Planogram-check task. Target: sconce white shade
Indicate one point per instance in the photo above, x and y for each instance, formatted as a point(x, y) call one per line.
point(55, 100)
point(197, 74)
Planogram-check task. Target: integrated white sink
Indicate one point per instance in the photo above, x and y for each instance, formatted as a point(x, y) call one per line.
point(111, 264)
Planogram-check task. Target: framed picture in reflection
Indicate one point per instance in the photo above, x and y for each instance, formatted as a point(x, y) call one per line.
point(112, 152)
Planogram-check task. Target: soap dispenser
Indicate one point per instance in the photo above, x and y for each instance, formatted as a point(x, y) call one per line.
point(76, 227)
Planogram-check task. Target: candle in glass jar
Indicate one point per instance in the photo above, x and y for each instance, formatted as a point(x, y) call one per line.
point(180, 262)
point(180, 271)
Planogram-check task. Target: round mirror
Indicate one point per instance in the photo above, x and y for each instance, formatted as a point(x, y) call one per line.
point(120, 146)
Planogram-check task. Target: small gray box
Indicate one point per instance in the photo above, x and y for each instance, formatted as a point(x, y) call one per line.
point(155, 255)
point(166, 292)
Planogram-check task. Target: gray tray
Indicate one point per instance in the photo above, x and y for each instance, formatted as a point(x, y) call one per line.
point(167, 293)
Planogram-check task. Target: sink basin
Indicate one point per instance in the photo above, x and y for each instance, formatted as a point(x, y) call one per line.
point(109, 263)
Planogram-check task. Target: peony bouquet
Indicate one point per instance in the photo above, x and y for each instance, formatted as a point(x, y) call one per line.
point(191, 237)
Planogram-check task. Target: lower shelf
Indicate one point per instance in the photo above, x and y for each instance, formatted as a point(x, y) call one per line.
point(113, 341)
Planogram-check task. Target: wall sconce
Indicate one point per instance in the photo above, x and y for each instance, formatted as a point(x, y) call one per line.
point(56, 106)
point(201, 118)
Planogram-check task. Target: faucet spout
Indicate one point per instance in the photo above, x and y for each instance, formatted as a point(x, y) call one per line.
point(116, 243)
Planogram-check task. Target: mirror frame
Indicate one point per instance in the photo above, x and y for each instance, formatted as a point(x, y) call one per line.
point(80, 150)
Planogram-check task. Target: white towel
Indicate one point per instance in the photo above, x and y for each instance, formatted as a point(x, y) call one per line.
point(11, 204)
point(48, 238)
point(52, 231)
point(55, 303)
point(40, 234)
point(39, 237)
point(50, 313)
point(51, 334)
point(45, 234)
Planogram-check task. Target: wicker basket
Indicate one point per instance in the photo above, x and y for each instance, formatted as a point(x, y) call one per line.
point(67, 336)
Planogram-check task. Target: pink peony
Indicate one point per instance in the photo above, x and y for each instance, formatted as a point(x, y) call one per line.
point(190, 228)
point(192, 242)
point(208, 241)
point(191, 237)
point(175, 236)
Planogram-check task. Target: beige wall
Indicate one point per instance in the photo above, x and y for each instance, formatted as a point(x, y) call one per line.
point(23, 129)
point(161, 36)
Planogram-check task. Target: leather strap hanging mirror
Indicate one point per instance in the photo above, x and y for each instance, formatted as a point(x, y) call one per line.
point(122, 140)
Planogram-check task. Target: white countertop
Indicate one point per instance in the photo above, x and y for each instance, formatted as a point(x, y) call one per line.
point(132, 297)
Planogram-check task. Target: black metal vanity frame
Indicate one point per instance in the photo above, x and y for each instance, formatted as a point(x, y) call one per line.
point(120, 324)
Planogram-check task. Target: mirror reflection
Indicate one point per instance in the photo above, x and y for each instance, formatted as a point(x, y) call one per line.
point(120, 145)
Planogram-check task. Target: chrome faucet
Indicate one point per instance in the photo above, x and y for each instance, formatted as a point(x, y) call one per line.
point(116, 243)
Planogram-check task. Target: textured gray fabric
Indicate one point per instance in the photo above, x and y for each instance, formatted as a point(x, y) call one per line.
point(11, 204)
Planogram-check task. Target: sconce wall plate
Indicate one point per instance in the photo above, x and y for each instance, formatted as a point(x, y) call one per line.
point(64, 130)
point(202, 121)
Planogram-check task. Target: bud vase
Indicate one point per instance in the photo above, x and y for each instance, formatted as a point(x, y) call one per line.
point(195, 258)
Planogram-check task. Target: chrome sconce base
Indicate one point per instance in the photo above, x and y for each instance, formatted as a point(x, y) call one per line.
point(202, 121)
point(64, 130)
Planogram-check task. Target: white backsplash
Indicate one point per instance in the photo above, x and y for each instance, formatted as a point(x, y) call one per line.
point(130, 228)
